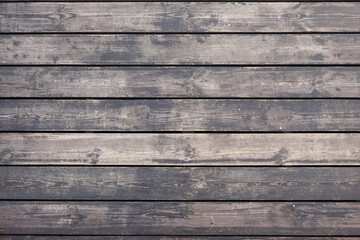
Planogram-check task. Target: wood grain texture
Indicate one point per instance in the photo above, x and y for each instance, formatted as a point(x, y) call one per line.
point(24, 237)
point(179, 115)
point(185, 218)
point(294, 82)
point(180, 149)
point(226, 1)
point(179, 183)
point(186, 49)
point(180, 17)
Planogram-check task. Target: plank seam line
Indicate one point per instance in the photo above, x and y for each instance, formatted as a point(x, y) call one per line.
point(180, 65)
point(177, 33)
point(177, 201)
point(182, 132)
point(179, 1)
point(180, 98)
point(212, 236)
point(174, 166)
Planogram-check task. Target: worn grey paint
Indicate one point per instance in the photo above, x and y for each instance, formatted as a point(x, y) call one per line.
point(179, 115)
point(187, 49)
point(180, 17)
point(180, 149)
point(189, 82)
point(179, 183)
point(181, 218)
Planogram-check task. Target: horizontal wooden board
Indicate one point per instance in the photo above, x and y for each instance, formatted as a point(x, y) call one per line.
point(246, 1)
point(179, 115)
point(179, 183)
point(152, 82)
point(181, 218)
point(186, 49)
point(180, 149)
point(180, 17)
point(39, 237)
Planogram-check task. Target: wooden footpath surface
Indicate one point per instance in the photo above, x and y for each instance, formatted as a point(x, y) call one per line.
point(186, 120)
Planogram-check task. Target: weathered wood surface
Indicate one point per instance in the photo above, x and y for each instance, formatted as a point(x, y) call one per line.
point(294, 82)
point(179, 183)
point(226, 1)
point(180, 17)
point(24, 237)
point(187, 49)
point(180, 149)
point(179, 115)
point(181, 218)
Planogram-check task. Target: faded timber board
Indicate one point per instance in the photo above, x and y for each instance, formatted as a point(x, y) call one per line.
point(179, 115)
point(186, 49)
point(180, 17)
point(180, 149)
point(179, 183)
point(181, 218)
point(264, 82)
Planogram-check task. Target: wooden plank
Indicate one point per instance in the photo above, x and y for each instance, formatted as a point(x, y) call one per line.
point(180, 17)
point(186, 49)
point(294, 82)
point(179, 183)
point(179, 115)
point(28, 237)
point(247, 1)
point(180, 149)
point(181, 218)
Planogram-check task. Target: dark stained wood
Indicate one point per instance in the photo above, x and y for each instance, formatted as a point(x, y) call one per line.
point(179, 183)
point(180, 17)
point(24, 237)
point(179, 115)
point(180, 149)
point(295, 82)
point(187, 49)
point(181, 218)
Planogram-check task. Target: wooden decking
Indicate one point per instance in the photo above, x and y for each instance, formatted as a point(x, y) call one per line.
point(179, 120)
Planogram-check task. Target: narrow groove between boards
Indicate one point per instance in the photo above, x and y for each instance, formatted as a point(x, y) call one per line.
point(180, 201)
point(210, 236)
point(180, 65)
point(181, 98)
point(182, 132)
point(176, 33)
point(178, 165)
point(184, 1)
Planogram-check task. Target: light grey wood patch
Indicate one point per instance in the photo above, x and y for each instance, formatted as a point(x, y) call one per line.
point(180, 17)
point(179, 183)
point(179, 115)
point(180, 149)
point(181, 218)
point(294, 82)
point(187, 49)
